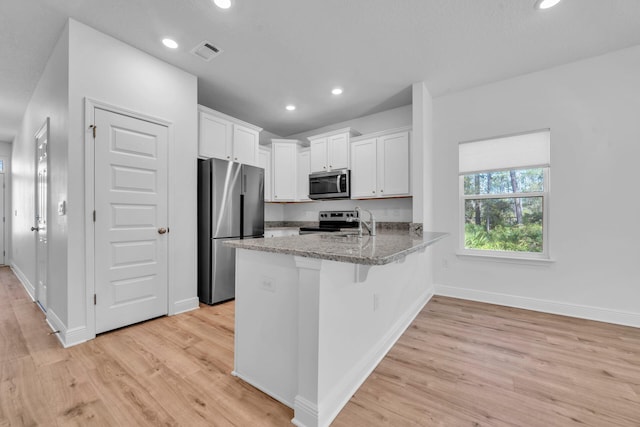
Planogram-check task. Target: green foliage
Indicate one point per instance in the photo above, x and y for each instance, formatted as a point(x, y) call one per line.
point(499, 182)
point(519, 238)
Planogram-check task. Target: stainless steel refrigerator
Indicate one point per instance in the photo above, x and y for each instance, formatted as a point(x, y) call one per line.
point(230, 206)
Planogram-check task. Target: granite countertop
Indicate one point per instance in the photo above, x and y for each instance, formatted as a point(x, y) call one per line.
point(386, 247)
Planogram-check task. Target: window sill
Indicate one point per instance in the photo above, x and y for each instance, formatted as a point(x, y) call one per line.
point(506, 259)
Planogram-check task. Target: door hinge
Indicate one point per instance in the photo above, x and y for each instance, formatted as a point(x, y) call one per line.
point(94, 216)
point(93, 127)
point(95, 299)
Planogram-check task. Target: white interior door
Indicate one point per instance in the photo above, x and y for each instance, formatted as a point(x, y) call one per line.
point(130, 220)
point(40, 227)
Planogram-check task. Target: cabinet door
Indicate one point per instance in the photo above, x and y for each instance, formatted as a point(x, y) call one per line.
point(393, 165)
point(245, 145)
point(264, 161)
point(363, 169)
point(318, 156)
point(338, 151)
point(214, 137)
point(304, 166)
point(284, 157)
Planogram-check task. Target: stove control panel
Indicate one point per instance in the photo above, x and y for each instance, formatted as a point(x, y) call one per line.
point(337, 216)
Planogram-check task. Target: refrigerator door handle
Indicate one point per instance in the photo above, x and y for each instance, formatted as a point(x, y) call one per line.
point(244, 183)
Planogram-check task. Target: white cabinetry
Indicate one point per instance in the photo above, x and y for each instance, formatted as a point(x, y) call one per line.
point(284, 158)
point(330, 151)
point(281, 232)
point(223, 137)
point(304, 168)
point(380, 165)
point(264, 161)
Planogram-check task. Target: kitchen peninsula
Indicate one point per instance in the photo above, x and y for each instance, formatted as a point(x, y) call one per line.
point(316, 313)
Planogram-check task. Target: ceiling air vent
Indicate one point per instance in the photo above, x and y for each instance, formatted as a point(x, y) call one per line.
point(206, 51)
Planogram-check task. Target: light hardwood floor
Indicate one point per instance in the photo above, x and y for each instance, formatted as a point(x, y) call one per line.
point(460, 363)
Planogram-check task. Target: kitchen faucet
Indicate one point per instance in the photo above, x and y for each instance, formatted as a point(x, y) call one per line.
point(371, 226)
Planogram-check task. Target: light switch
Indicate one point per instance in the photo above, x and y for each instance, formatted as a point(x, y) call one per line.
point(62, 207)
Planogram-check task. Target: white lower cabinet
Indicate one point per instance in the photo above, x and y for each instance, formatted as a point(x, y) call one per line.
point(281, 232)
point(380, 165)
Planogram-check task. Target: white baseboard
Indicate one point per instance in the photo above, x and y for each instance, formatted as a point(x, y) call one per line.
point(572, 310)
point(351, 382)
point(67, 337)
point(28, 286)
point(185, 305)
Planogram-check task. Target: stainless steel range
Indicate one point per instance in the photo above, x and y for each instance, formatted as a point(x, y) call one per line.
point(333, 221)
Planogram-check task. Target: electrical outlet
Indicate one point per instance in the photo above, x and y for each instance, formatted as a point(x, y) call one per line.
point(268, 285)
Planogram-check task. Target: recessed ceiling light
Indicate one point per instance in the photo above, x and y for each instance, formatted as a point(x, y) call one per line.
point(290, 107)
point(171, 44)
point(336, 91)
point(545, 4)
point(223, 4)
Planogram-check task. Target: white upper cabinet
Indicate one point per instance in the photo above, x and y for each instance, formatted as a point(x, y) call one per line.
point(380, 165)
point(363, 168)
point(215, 137)
point(330, 151)
point(245, 144)
point(284, 159)
point(264, 161)
point(318, 155)
point(223, 137)
point(304, 168)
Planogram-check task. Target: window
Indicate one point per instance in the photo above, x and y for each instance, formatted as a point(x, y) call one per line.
point(1, 165)
point(504, 196)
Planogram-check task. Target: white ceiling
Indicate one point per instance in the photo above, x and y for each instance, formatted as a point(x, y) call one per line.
point(294, 51)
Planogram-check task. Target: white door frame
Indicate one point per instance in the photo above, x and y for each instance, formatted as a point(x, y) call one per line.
point(89, 195)
point(3, 242)
point(44, 130)
point(7, 204)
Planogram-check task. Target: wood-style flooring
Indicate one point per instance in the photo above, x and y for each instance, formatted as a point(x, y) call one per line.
point(460, 363)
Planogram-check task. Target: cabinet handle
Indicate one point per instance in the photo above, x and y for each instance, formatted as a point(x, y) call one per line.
point(235, 158)
point(382, 191)
point(330, 166)
point(228, 157)
point(162, 230)
point(373, 191)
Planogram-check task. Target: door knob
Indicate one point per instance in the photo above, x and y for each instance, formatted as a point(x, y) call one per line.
point(162, 230)
point(35, 228)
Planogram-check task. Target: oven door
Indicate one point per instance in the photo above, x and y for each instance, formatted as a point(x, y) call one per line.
point(329, 185)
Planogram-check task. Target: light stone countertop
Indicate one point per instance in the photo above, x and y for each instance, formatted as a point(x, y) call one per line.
point(386, 247)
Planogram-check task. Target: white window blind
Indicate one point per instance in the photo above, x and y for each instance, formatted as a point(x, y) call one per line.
point(510, 152)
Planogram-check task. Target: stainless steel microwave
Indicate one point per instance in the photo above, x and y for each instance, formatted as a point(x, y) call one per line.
point(330, 185)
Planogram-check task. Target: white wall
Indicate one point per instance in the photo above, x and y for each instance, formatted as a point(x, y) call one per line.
point(388, 210)
point(107, 70)
point(5, 148)
point(592, 109)
point(390, 119)
point(49, 99)
point(89, 64)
